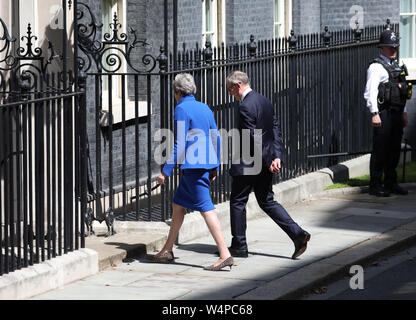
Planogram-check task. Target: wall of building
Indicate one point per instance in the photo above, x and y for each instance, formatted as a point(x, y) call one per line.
point(410, 130)
point(189, 23)
point(242, 19)
point(306, 16)
point(336, 14)
point(313, 15)
point(249, 17)
point(256, 17)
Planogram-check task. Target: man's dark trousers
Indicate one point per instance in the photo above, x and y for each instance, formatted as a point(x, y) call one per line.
point(262, 186)
point(386, 149)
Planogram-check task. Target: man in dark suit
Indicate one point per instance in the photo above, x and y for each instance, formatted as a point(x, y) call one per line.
point(256, 115)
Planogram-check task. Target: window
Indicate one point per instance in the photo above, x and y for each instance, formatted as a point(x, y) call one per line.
point(282, 18)
point(209, 21)
point(279, 18)
point(407, 35)
point(407, 28)
point(213, 22)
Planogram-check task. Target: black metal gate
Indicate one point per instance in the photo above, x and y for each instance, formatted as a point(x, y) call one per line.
point(41, 150)
point(122, 122)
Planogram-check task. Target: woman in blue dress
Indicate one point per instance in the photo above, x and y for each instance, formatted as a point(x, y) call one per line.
point(197, 149)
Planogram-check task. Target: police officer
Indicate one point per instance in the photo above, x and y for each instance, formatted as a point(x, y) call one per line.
point(386, 93)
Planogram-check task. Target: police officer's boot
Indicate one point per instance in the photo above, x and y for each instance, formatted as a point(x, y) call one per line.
point(378, 191)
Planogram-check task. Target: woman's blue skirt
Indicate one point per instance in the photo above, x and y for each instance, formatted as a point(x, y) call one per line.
point(193, 190)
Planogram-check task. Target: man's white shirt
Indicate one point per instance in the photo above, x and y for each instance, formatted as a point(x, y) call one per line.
point(376, 74)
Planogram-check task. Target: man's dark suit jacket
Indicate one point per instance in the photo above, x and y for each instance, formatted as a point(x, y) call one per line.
point(256, 112)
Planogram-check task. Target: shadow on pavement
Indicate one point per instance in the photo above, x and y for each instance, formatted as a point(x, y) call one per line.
point(148, 259)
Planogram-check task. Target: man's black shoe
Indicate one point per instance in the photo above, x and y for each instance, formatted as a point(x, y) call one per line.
point(379, 192)
point(300, 244)
point(242, 253)
point(237, 253)
point(397, 189)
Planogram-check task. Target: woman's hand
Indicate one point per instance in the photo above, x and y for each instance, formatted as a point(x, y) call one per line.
point(212, 175)
point(161, 179)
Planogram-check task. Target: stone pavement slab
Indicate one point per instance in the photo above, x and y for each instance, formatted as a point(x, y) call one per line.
point(344, 232)
point(113, 250)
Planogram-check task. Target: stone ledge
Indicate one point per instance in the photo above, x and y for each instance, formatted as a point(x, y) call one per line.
point(48, 275)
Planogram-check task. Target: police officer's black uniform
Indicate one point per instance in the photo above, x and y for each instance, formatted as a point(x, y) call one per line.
point(387, 138)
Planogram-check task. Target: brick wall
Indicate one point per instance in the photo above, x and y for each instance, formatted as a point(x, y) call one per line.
point(249, 17)
point(335, 13)
point(307, 17)
point(189, 22)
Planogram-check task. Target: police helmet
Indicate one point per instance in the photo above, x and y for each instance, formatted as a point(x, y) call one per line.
point(389, 38)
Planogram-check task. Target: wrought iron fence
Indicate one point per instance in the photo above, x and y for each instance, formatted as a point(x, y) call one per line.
point(42, 150)
point(121, 124)
point(78, 145)
point(315, 82)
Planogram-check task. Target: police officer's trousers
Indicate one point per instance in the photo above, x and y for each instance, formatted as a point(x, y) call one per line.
point(386, 149)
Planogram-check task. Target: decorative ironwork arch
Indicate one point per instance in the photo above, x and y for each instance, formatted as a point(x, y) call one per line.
point(26, 64)
point(108, 54)
point(5, 48)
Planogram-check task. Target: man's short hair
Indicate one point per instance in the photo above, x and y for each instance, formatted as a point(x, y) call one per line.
point(238, 77)
point(184, 83)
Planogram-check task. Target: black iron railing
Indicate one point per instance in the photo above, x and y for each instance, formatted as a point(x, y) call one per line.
point(315, 82)
point(35, 223)
point(42, 152)
point(80, 145)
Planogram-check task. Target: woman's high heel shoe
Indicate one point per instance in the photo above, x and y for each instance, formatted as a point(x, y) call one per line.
point(226, 263)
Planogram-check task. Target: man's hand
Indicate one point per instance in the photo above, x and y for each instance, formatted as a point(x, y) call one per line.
point(405, 119)
point(212, 175)
point(161, 179)
point(376, 121)
point(275, 166)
